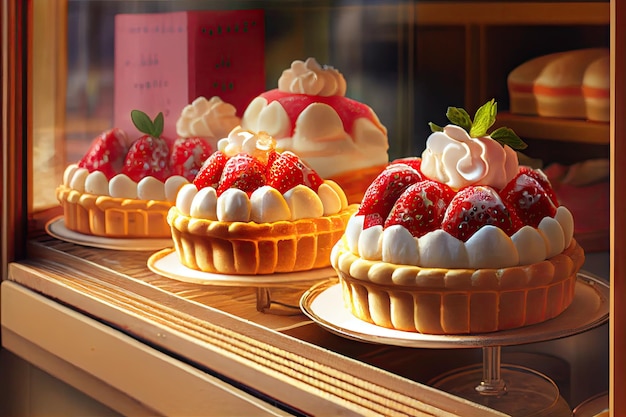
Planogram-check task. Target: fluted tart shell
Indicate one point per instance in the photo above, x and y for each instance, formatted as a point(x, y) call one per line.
point(249, 248)
point(106, 216)
point(456, 301)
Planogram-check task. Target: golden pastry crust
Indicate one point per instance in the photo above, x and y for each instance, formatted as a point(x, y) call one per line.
point(107, 216)
point(250, 248)
point(355, 183)
point(456, 301)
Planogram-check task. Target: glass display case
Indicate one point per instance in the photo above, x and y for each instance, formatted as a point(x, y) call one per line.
point(98, 316)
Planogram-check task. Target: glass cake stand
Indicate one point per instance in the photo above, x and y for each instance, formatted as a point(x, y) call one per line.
point(511, 389)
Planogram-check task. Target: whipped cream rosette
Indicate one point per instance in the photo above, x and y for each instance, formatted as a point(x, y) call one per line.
point(309, 115)
point(253, 210)
point(211, 119)
point(441, 243)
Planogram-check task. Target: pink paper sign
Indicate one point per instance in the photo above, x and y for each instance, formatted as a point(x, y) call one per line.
point(164, 61)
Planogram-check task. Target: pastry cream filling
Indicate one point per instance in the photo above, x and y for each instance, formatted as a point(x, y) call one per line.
point(489, 247)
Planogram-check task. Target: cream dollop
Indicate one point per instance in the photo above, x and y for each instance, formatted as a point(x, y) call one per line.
point(309, 77)
point(240, 140)
point(458, 160)
point(121, 186)
point(265, 204)
point(211, 119)
point(489, 247)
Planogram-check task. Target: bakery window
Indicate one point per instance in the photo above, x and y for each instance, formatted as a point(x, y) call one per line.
point(83, 86)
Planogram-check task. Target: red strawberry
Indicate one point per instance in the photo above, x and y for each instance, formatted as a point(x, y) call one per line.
point(373, 219)
point(106, 153)
point(412, 161)
point(421, 207)
point(271, 157)
point(244, 172)
point(528, 199)
point(383, 192)
point(474, 207)
point(148, 156)
point(542, 178)
point(211, 171)
point(286, 170)
point(187, 156)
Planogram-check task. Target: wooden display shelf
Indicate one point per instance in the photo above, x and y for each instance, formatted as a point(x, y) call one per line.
point(512, 13)
point(209, 339)
point(565, 130)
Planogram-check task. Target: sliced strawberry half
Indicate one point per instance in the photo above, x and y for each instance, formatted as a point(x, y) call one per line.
point(244, 172)
point(211, 171)
point(542, 178)
point(188, 155)
point(383, 192)
point(147, 156)
point(286, 170)
point(421, 207)
point(525, 196)
point(106, 153)
point(474, 207)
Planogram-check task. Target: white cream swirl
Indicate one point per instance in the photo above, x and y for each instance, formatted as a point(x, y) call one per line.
point(121, 186)
point(211, 119)
point(240, 140)
point(311, 78)
point(489, 247)
point(458, 160)
point(265, 204)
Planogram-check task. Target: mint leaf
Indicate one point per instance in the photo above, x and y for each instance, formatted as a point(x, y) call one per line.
point(434, 128)
point(484, 118)
point(459, 117)
point(144, 124)
point(158, 125)
point(506, 136)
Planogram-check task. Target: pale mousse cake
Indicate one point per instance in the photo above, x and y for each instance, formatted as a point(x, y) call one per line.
point(309, 114)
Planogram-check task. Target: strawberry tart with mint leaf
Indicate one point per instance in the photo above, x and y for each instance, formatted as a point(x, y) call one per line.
point(123, 187)
point(462, 222)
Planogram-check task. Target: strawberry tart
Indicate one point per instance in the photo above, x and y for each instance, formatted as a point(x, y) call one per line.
point(462, 240)
point(308, 114)
point(252, 210)
point(123, 188)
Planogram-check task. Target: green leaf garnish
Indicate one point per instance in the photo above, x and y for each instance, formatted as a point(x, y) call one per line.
point(144, 124)
point(484, 118)
point(459, 117)
point(435, 128)
point(506, 136)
